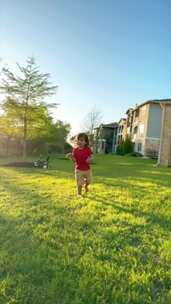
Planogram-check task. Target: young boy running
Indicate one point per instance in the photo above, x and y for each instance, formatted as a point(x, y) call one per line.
point(82, 156)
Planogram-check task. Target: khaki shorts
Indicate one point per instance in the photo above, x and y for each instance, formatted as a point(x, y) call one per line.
point(83, 177)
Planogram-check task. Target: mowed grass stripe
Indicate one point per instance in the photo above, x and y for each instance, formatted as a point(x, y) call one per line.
point(111, 247)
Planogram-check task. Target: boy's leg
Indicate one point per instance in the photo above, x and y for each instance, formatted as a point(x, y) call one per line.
point(79, 189)
point(79, 180)
point(86, 187)
point(87, 180)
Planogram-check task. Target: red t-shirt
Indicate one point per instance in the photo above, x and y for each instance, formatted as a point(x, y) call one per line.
point(80, 156)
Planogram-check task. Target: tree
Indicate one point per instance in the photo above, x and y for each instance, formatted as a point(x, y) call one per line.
point(58, 136)
point(25, 95)
point(92, 121)
point(5, 135)
point(43, 133)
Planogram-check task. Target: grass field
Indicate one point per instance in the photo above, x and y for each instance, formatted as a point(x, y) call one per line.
point(112, 247)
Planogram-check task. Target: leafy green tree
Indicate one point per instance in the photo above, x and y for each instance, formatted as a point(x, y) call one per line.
point(43, 132)
point(5, 135)
point(58, 136)
point(25, 97)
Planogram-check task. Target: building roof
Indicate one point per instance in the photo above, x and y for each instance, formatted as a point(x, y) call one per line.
point(129, 110)
point(112, 125)
point(156, 101)
point(122, 120)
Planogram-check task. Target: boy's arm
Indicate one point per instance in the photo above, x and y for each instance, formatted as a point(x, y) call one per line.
point(73, 156)
point(90, 158)
point(69, 155)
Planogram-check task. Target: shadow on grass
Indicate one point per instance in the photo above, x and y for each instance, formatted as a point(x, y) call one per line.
point(135, 169)
point(138, 192)
point(151, 218)
point(34, 199)
point(158, 178)
point(56, 243)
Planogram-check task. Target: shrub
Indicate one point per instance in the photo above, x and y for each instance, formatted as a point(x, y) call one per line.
point(127, 146)
point(120, 149)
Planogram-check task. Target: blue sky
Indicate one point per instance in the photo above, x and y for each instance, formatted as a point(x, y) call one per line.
point(109, 54)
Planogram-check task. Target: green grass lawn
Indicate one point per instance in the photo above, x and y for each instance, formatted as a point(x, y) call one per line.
point(112, 247)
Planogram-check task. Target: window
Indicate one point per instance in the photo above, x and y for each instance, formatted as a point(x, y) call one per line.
point(139, 147)
point(141, 129)
point(137, 113)
point(135, 130)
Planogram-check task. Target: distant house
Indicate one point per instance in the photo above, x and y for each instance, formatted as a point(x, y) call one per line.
point(144, 124)
point(148, 125)
point(115, 133)
point(129, 121)
point(105, 138)
point(121, 131)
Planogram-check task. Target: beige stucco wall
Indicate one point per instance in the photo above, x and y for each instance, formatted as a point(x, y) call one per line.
point(151, 146)
point(141, 119)
point(165, 146)
point(154, 121)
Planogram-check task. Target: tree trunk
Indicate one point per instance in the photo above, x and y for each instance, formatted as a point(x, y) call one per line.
point(25, 137)
point(24, 149)
point(7, 146)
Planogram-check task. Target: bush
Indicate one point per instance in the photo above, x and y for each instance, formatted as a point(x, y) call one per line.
point(120, 149)
point(125, 147)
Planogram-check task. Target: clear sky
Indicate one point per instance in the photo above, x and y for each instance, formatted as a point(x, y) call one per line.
point(110, 54)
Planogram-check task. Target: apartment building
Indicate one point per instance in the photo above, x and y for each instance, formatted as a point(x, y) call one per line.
point(129, 121)
point(121, 131)
point(115, 137)
point(105, 138)
point(145, 126)
point(149, 127)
